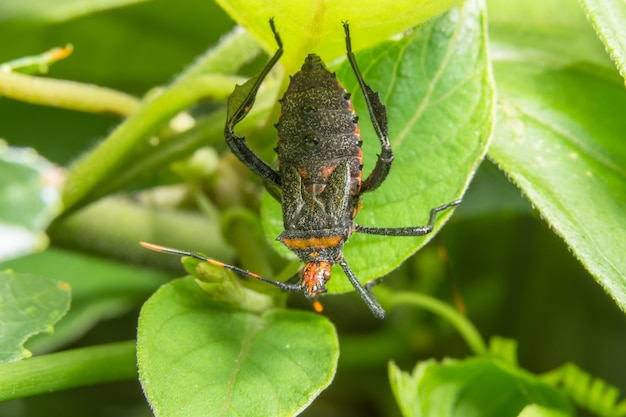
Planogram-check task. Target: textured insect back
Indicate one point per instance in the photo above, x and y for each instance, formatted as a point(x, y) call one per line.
point(317, 129)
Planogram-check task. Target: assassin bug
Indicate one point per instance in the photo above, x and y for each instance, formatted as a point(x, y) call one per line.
point(319, 180)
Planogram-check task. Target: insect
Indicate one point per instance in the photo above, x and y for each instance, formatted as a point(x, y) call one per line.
point(319, 180)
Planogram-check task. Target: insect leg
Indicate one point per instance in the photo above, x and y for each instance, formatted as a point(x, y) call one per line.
point(290, 287)
point(407, 231)
point(365, 293)
point(239, 104)
point(378, 115)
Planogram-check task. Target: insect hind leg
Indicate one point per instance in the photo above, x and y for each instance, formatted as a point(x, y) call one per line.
point(364, 292)
point(408, 231)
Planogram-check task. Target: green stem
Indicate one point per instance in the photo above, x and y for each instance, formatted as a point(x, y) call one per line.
point(66, 94)
point(206, 132)
point(69, 369)
point(117, 152)
point(465, 327)
point(37, 64)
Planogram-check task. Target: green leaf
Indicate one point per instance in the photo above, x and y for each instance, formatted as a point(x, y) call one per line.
point(556, 30)
point(588, 392)
point(608, 18)
point(197, 359)
point(101, 289)
point(29, 200)
point(30, 305)
point(480, 387)
point(436, 83)
point(316, 26)
point(557, 138)
point(32, 11)
point(535, 410)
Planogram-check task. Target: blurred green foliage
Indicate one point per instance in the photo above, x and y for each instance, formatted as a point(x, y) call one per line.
point(496, 260)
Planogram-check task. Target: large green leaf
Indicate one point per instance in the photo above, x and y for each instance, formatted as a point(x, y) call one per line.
point(315, 26)
point(29, 200)
point(199, 358)
point(559, 138)
point(436, 83)
point(479, 387)
point(609, 20)
point(28, 305)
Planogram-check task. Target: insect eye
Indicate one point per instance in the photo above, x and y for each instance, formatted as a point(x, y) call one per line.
point(309, 109)
point(310, 140)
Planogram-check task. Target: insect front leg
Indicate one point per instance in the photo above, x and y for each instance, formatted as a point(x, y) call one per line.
point(378, 115)
point(407, 231)
point(239, 104)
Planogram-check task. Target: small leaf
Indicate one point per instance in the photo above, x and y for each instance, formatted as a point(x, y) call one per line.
point(101, 289)
point(480, 387)
point(436, 83)
point(196, 359)
point(588, 392)
point(28, 305)
point(29, 200)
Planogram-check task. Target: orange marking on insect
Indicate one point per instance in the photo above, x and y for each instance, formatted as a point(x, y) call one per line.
point(314, 277)
point(312, 242)
point(317, 306)
point(356, 210)
point(154, 247)
point(304, 173)
point(327, 171)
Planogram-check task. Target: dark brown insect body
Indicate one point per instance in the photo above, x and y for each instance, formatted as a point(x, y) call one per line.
point(319, 181)
point(319, 155)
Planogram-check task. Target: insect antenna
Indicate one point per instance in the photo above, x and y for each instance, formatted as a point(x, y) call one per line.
point(163, 249)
